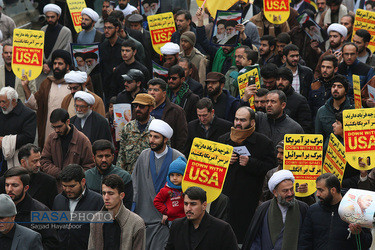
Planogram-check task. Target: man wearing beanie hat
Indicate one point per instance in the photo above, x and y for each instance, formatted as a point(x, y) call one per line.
point(92, 124)
point(149, 176)
point(50, 94)
point(7, 26)
point(169, 200)
point(352, 66)
point(338, 101)
point(187, 43)
point(56, 37)
point(337, 34)
point(277, 223)
point(134, 136)
point(77, 81)
point(89, 34)
point(12, 235)
point(296, 106)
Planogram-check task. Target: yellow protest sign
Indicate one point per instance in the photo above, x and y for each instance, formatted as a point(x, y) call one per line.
point(75, 9)
point(334, 161)
point(161, 29)
point(276, 11)
point(213, 5)
point(357, 92)
point(359, 137)
point(243, 81)
point(207, 167)
point(27, 52)
point(365, 20)
point(303, 156)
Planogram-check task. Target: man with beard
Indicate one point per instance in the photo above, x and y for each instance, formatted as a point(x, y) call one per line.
point(103, 151)
point(267, 73)
point(110, 54)
point(81, 64)
point(150, 173)
point(266, 50)
point(134, 135)
point(246, 171)
point(50, 94)
point(187, 42)
point(92, 124)
point(333, 14)
point(361, 39)
point(276, 123)
point(194, 85)
point(179, 93)
point(215, 233)
point(66, 145)
point(352, 66)
point(296, 106)
point(348, 22)
point(93, 70)
point(260, 100)
point(231, 33)
point(323, 228)
point(128, 52)
point(133, 82)
point(126, 7)
point(17, 127)
point(320, 89)
point(302, 75)
point(220, 31)
point(57, 37)
point(322, 6)
point(106, 10)
point(225, 105)
point(325, 116)
point(171, 54)
point(16, 185)
point(42, 186)
point(89, 34)
point(77, 81)
point(8, 78)
point(208, 126)
point(277, 222)
point(74, 198)
point(337, 34)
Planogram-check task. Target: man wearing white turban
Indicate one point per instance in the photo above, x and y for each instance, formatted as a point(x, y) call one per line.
point(77, 81)
point(89, 34)
point(92, 124)
point(56, 37)
point(277, 223)
point(171, 54)
point(149, 175)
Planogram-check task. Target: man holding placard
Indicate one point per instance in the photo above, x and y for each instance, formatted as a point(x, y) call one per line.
point(253, 155)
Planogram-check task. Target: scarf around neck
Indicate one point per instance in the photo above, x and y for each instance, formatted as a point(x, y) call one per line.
point(239, 135)
point(180, 94)
point(219, 59)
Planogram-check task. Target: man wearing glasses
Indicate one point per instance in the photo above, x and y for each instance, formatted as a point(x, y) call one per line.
point(65, 145)
point(134, 135)
point(77, 81)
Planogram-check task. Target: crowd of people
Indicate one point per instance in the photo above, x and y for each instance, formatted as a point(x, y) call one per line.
point(60, 151)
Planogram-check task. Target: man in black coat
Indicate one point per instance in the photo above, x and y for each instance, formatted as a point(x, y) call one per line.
point(208, 126)
point(75, 197)
point(266, 230)
point(245, 176)
point(17, 121)
point(16, 186)
point(199, 230)
point(93, 125)
point(297, 106)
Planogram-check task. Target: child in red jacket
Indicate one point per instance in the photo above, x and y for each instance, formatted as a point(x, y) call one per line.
point(169, 200)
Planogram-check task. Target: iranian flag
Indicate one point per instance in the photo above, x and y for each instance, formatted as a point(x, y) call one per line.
point(227, 15)
point(85, 48)
point(158, 70)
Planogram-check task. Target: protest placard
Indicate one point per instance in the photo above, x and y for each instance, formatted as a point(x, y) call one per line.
point(365, 20)
point(276, 11)
point(149, 7)
point(75, 9)
point(335, 162)
point(359, 137)
point(85, 57)
point(27, 53)
point(243, 82)
point(357, 92)
point(161, 27)
point(224, 29)
point(122, 115)
point(303, 156)
point(357, 207)
point(207, 167)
